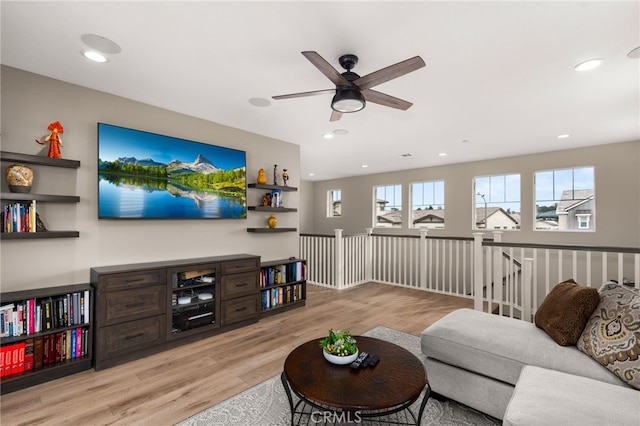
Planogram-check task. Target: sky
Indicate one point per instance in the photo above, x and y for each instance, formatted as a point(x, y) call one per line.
point(115, 142)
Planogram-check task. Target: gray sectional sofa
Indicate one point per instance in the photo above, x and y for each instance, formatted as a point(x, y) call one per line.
point(513, 370)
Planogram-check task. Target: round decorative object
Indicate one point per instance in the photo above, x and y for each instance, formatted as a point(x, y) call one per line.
point(340, 360)
point(19, 178)
point(271, 221)
point(262, 177)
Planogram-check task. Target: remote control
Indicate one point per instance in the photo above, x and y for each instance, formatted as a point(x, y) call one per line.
point(356, 364)
point(373, 361)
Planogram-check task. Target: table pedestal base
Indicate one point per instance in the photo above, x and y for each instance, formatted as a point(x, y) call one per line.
point(308, 412)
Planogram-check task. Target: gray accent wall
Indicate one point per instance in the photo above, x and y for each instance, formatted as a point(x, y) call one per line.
point(30, 102)
point(617, 186)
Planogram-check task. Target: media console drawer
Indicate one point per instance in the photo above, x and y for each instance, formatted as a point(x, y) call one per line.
point(239, 285)
point(240, 309)
point(126, 338)
point(127, 305)
point(237, 266)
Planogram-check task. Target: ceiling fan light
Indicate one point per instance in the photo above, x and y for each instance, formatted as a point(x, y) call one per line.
point(348, 100)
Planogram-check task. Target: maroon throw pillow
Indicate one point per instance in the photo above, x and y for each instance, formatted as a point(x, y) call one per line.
point(566, 310)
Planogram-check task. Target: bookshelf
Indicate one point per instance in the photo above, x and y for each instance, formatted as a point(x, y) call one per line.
point(28, 198)
point(47, 331)
point(283, 285)
point(273, 209)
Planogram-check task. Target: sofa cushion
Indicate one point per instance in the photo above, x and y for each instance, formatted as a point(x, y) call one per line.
point(498, 347)
point(612, 334)
point(566, 310)
point(547, 397)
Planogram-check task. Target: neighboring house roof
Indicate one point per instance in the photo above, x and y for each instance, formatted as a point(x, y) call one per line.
point(491, 211)
point(573, 199)
point(428, 216)
point(548, 215)
point(394, 217)
point(438, 215)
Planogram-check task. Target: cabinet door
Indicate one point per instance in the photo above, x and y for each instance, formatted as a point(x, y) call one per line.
point(239, 285)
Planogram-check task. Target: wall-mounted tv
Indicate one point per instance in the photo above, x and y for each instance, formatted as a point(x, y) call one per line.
point(144, 175)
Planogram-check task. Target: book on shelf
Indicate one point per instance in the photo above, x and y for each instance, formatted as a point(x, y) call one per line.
point(35, 315)
point(282, 274)
point(274, 297)
point(276, 198)
point(18, 217)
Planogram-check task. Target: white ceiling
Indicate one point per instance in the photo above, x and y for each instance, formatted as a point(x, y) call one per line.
point(499, 75)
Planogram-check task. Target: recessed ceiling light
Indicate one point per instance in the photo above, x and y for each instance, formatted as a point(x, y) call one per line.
point(100, 43)
point(328, 136)
point(589, 64)
point(564, 136)
point(95, 56)
point(364, 166)
point(312, 174)
point(635, 53)
point(442, 154)
point(259, 102)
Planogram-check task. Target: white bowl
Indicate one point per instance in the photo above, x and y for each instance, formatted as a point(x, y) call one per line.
point(340, 360)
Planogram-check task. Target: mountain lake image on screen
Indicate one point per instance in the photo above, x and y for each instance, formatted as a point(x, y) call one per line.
point(144, 175)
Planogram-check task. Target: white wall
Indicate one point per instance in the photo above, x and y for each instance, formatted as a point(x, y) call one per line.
point(30, 102)
point(617, 186)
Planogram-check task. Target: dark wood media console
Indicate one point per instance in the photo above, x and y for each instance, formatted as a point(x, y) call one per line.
point(145, 308)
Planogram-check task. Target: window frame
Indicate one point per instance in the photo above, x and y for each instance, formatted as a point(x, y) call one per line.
point(397, 191)
point(331, 211)
point(587, 170)
point(482, 197)
point(434, 205)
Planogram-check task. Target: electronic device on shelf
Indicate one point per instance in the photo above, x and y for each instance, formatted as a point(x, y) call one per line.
point(205, 296)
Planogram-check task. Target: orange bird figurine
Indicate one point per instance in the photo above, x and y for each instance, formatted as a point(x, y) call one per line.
point(54, 140)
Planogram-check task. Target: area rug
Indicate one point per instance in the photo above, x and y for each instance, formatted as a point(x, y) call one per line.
point(266, 404)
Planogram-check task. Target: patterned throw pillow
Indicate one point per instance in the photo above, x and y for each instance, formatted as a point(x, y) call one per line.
point(612, 334)
point(566, 310)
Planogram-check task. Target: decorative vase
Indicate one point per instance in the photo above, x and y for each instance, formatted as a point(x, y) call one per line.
point(262, 177)
point(271, 221)
point(19, 178)
point(340, 360)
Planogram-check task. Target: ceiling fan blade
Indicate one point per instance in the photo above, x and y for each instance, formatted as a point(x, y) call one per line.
point(303, 94)
point(335, 115)
point(385, 100)
point(325, 68)
point(389, 73)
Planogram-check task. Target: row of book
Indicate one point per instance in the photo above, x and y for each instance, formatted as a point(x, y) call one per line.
point(282, 274)
point(42, 351)
point(281, 295)
point(19, 217)
point(44, 314)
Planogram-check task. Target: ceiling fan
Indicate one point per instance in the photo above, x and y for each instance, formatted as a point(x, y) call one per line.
point(352, 92)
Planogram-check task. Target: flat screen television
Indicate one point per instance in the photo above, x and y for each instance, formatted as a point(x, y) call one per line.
point(144, 175)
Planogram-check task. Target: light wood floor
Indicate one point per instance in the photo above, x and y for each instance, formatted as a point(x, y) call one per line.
point(168, 387)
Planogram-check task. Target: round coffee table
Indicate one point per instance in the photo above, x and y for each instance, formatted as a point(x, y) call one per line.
point(341, 394)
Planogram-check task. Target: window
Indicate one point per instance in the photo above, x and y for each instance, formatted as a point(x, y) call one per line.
point(565, 199)
point(388, 206)
point(427, 205)
point(334, 203)
point(497, 202)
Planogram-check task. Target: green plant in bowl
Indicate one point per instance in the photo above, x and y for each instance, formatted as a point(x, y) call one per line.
point(339, 343)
